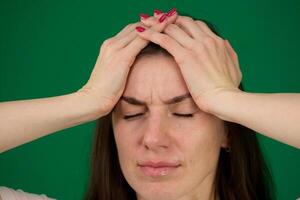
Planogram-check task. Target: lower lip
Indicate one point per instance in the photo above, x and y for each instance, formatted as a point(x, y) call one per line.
point(157, 171)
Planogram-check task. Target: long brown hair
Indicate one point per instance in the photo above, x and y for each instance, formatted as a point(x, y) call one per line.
point(242, 173)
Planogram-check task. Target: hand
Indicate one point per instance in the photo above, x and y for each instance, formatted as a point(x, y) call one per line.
point(208, 63)
point(108, 78)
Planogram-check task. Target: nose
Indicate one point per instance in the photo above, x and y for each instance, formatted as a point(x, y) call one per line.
point(156, 134)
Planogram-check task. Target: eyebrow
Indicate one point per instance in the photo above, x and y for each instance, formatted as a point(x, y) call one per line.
point(134, 101)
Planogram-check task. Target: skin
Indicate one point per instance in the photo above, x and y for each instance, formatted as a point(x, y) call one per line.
point(253, 110)
point(94, 100)
point(97, 98)
point(158, 134)
point(52, 114)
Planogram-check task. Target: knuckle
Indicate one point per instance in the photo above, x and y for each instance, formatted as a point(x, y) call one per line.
point(208, 41)
point(201, 23)
point(108, 42)
point(235, 54)
point(219, 41)
point(232, 51)
point(186, 19)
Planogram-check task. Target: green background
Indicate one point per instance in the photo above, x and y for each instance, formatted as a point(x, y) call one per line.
point(48, 48)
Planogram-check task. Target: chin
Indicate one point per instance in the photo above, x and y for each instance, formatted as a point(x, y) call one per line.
point(157, 191)
point(157, 195)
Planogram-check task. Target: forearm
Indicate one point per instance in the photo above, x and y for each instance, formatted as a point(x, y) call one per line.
point(274, 115)
point(25, 120)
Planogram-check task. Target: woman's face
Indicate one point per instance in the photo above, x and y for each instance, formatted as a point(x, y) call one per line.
point(164, 156)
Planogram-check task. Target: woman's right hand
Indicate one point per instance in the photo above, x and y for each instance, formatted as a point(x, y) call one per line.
point(108, 78)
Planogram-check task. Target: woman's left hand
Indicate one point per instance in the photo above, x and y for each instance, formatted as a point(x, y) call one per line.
point(208, 63)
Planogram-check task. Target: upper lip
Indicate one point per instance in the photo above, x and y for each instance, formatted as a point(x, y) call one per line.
point(158, 164)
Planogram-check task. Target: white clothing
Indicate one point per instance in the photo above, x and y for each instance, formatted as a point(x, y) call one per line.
point(11, 194)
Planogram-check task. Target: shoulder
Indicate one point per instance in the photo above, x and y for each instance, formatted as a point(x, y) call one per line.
point(11, 194)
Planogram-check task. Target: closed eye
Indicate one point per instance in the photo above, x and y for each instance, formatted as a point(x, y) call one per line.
point(176, 114)
point(183, 115)
point(131, 116)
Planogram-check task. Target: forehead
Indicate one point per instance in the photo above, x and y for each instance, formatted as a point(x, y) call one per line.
point(155, 78)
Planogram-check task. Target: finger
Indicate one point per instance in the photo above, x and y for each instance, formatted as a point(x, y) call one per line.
point(129, 34)
point(150, 21)
point(157, 13)
point(139, 43)
point(204, 27)
point(165, 41)
point(127, 29)
point(179, 35)
point(124, 40)
point(190, 26)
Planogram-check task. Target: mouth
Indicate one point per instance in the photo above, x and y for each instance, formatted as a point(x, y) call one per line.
point(158, 169)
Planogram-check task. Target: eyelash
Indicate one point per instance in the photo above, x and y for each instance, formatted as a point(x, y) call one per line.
point(176, 114)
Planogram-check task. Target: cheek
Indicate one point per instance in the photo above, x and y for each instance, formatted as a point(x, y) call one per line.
point(203, 147)
point(124, 142)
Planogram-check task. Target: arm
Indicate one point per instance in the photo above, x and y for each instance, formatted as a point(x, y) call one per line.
point(25, 120)
point(274, 115)
point(210, 68)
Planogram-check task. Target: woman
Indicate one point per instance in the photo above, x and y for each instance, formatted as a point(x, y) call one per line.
point(173, 151)
point(212, 81)
point(156, 150)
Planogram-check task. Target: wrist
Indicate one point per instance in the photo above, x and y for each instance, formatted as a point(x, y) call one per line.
point(220, 102)
point(91, 107)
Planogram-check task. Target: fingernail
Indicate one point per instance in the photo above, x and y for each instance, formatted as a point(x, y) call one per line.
point(140, 29)
point(171, 12)
point(162, 18)
point(144, 16)
point(157, 12)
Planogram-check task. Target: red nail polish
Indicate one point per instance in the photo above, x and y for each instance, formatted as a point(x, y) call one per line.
point(162, 18)
point(171, 12)
point(144, 16)
point(157, 12)
point(140, 29)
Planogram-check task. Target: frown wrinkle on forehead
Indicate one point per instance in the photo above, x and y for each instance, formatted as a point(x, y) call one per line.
point(154, 79)
point(137, 102)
